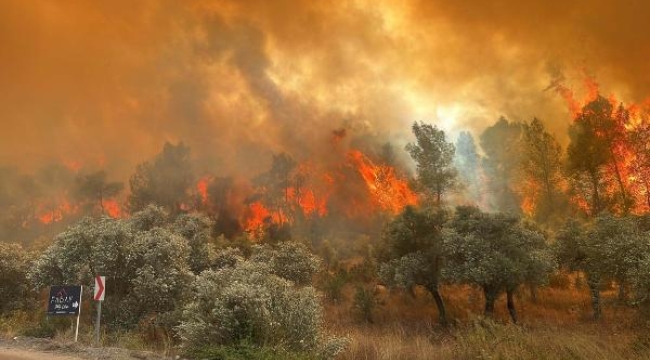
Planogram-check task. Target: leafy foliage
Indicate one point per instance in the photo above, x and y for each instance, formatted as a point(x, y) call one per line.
point(434, 158)
point(14, 285)
point(413, 252)
point(608, 248)
point(288, 260)
point(495, 252)
point(146, 265)
point(541, 168)
point(364, 303)
point(249, 303)
point(197, 229)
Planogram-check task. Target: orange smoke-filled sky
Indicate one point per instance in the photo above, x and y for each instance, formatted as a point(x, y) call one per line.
point(107, 82)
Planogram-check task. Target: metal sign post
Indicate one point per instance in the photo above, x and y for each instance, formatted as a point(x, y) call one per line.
point(76, 332)
point(99, 297)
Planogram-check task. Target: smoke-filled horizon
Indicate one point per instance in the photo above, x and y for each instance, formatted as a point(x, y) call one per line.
point(104, 84)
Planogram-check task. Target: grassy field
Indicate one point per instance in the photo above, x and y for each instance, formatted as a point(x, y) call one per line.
point(557, 326)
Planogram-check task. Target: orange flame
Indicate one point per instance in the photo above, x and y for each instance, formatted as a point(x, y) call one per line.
point(308, 202)
point(56, 211)
point(575, 106)
point(258, 215)
point(388, 191)
point(202, 188)
point(113, 209)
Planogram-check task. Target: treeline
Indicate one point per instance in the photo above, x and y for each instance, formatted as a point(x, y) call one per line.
point(524, 170)
point(527, 190)
point(500, 253)
point(513, 167)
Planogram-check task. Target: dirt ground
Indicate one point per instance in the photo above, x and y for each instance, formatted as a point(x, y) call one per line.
point(22, 354)
point(25, 348)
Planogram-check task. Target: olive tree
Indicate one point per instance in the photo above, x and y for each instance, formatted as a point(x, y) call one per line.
point(247, 303)
point(607, 248)
point(14, 264)
point(197, 229)
point(146, 264)
point(289, 260)
point(266, 300)
point(495, 252)
point(412, 252)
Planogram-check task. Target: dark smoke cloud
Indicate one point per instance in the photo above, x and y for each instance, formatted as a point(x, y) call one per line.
point(106, 83)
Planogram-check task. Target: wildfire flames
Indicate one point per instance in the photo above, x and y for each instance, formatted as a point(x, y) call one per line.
point(327, 85)
point(625, 172)
point(55, 211)
point(113, 209)
point(387, 190)
point(384, 191)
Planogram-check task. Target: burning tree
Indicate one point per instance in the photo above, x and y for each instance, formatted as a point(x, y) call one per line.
point(639, 166)
point(541, 168)
point(94, 189)
point(596, 158)
point(220, 194)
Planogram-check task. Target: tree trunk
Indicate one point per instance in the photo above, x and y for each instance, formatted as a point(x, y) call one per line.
point(646, 185)
point(101, 203)
point(511, 305)
point(622, 295)
point(596, 195)
point(490, 298)
point(442, 314)
point(533, 293)
point(619, 179)
point(595, 297)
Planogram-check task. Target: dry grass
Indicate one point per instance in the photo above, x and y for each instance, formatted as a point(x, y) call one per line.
point(557, 326)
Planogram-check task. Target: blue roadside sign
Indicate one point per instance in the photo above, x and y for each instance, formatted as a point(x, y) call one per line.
point(64, 300)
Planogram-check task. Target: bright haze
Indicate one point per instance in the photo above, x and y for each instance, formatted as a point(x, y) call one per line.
point(108, 82)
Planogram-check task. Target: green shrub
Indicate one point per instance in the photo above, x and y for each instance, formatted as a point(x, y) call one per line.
point(288, 260)
point(14, 284)
point(333, 286)
point(47, 327)
point(364, 303)
point(145, 262)
point(249, 303)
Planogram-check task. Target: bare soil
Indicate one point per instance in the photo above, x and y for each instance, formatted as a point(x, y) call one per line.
point(26, 348)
